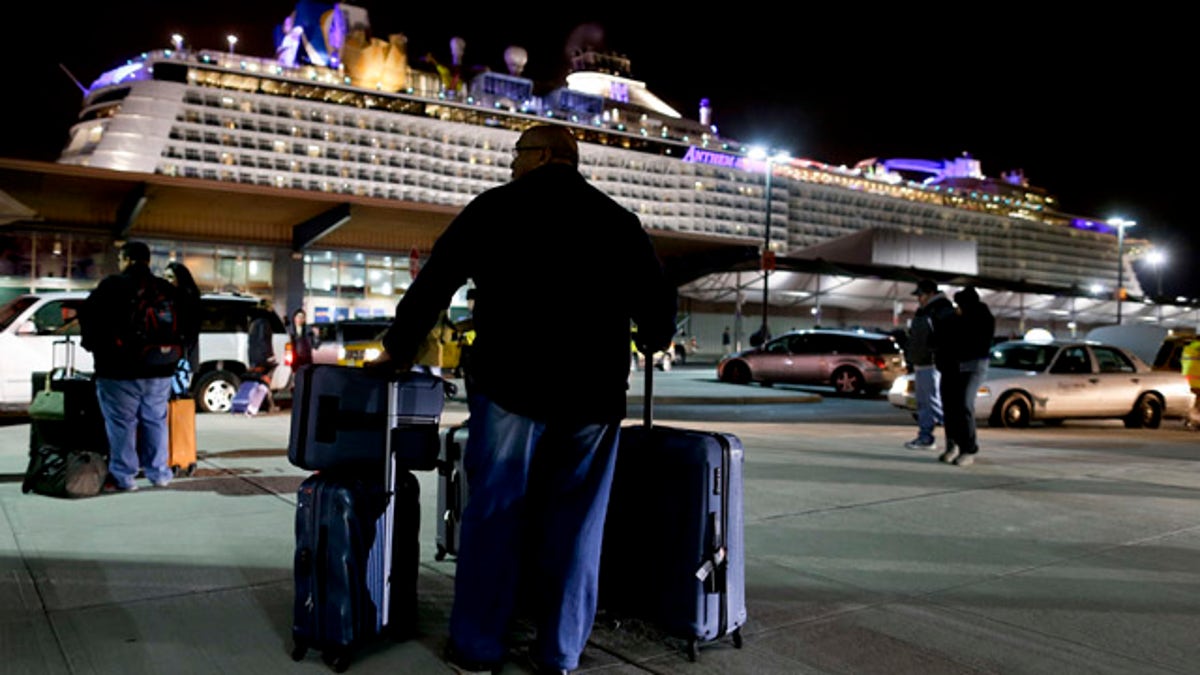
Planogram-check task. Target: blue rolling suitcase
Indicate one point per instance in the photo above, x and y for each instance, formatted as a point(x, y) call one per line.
point(356, 558)
point(673, 551)
point(248, 398)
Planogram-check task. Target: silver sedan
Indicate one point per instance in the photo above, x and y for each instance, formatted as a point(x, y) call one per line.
point(1053, 381)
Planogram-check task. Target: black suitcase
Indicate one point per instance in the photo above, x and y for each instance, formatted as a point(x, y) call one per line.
point(81, 425)
point(356, 558)
point(673, 551)
point(340, 418)
point(452, 490)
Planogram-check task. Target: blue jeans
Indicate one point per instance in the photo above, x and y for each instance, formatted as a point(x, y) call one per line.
point(929, 402)
point(535, 519)
point(135, 417)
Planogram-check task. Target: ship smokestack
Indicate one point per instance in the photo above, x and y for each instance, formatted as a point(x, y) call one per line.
point(705, 112)
point(457, 47)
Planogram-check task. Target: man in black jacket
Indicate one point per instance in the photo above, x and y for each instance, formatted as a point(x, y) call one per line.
point(919, 350)
point(538, 462)
point(972, 345)
point(132, 387)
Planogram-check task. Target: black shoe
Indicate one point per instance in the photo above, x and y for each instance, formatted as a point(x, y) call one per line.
point(467, 666)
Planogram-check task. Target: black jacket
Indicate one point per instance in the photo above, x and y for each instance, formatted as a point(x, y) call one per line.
point(944, 320)
point(104, 324)
point(560, 270)
point(977, 327)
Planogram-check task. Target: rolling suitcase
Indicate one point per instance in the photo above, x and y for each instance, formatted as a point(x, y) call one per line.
point(181, 437)
point(340, 414)
point(354, 580)
point(249, 397)
point(65, 411)
point(452, 490)
point(673, 548)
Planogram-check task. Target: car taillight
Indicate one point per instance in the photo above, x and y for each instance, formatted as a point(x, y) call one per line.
point(288, 355)
point(878, 360)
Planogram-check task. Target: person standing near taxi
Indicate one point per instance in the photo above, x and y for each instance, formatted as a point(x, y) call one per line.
point(1190, 361)
point(919, 353)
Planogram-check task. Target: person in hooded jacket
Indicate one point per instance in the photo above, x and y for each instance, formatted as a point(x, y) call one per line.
point(971, 344)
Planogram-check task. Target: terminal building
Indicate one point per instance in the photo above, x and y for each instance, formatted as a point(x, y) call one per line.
point(321, 175)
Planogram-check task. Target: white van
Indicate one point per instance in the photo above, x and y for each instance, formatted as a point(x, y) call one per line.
point(31, 324)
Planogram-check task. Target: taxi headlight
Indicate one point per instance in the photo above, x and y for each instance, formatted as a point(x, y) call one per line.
point(341, 353)
point(899, 385)
point(371, 353)
point(984, 390)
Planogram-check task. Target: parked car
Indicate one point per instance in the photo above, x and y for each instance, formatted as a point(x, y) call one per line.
point(1158, 346)
point(1057, 380)
point(850, 361)
point(333, 336)
point(30, 324)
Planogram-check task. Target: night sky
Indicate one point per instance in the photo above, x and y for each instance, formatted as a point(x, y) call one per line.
point(1091, 108)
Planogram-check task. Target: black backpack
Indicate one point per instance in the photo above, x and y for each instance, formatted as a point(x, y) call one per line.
point(155, 325)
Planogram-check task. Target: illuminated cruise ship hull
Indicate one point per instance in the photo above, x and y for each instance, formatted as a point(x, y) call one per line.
point(235, 118)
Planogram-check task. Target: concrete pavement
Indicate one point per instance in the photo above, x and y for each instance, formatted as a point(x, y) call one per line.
point(1063, 550)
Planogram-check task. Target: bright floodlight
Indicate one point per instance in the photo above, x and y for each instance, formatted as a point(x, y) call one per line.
point(232, 41)
point(1156, 257)
point(1039, 335)
point(177, 40)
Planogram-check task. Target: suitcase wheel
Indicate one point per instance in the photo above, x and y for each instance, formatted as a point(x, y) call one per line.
point(175, 470)
point(299, 649)
point(441, 553)
point(737, 638)
point(338, 661)
point(692, 650)
point(191, 469)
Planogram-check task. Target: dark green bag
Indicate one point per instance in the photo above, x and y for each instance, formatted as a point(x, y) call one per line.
point(57, 473)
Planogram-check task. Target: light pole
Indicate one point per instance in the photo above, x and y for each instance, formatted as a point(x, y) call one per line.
point(232, 39)
point(1120, 224)
point(1157, 258)
point(768, 255)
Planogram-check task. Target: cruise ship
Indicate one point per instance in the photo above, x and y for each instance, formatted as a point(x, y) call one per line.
point(338, 111)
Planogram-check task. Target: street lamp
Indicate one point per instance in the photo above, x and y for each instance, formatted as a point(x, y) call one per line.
point(1120, 224)
point(768, 256)
point(1157, 257)
point(232, 41)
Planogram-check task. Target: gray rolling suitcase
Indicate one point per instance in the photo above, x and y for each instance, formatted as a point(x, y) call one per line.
point(340, 413)
point(452, 490)
point(673, 551)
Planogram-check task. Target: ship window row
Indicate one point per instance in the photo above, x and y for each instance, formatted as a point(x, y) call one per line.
point(319, 124)
point(283, 133)
point(326, 102)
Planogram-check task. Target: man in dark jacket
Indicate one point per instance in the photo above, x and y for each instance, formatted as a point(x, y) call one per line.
point(132, 390)
point(539, 464)
point(971, 346)
point(919, 351)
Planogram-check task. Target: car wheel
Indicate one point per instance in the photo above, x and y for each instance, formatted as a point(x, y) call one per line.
point(1013, 412)
point(215, 390)
point(848, 381)
point(665, 364)
point(1147, 412)
point(736, 372)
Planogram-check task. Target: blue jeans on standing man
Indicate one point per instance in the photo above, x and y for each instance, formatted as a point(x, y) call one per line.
point(532, 528)
point(929, 402)
point(135, 417)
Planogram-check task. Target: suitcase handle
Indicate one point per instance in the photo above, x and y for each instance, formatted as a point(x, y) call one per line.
point(648, 392)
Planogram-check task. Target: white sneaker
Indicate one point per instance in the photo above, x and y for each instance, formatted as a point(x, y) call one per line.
point(948, 456)
point(964, 460)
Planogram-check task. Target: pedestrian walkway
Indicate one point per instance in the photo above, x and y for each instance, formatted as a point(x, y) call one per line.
point(1067, 550)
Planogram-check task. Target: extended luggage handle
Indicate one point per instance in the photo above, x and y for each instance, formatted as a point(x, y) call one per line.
point(648, 391)
point(68, 369)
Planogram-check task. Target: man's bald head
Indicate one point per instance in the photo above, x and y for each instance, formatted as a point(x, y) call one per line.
point(544, 144)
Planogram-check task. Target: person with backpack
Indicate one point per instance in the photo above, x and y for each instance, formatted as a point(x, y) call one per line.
point(132, 325)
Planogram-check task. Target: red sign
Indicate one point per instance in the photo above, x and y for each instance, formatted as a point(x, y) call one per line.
point(768, 261)
point(414, 262)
